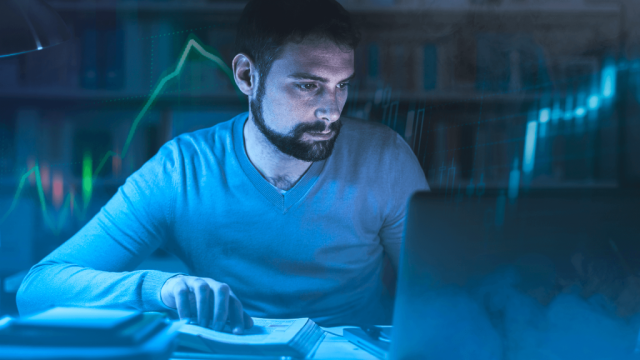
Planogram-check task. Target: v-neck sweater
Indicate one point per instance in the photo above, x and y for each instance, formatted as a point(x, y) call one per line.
point(281, 201)
point(315, 251)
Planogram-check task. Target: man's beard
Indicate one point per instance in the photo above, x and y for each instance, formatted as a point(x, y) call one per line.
point(292, 143)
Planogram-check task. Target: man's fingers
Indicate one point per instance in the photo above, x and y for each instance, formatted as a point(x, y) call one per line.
point(247, 320)
point(181, 294)
point(220, 306)
point(211, 304)
point(236, 315)
point(202, 292)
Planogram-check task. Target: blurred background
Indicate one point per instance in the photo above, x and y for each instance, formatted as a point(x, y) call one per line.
point(490, 94)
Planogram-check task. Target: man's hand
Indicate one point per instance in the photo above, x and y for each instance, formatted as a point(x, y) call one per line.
point(209, 302)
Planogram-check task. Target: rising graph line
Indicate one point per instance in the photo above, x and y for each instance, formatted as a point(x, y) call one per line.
point(192, 44)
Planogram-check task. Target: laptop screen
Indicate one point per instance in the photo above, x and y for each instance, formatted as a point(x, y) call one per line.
point(552, 274)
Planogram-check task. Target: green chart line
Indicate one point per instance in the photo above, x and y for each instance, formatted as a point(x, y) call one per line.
point(88, 179)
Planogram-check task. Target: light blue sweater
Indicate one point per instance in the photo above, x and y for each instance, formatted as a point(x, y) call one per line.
point(316, 251)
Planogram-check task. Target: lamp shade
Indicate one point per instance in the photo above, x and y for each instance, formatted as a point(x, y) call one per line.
point(27, 25)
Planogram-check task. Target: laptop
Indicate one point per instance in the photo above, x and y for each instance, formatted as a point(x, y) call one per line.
point(551, 274)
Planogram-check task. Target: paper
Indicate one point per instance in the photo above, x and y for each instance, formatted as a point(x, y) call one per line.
point(264, 331)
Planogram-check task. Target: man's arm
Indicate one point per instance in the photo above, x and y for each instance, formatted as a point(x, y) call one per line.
point(93, 267)
point(404, 180)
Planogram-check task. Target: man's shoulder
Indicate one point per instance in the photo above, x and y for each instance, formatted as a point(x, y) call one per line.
point(370, 137)
point(372, 146)
point(213, 138)
point(365, 127)
point(366, 134)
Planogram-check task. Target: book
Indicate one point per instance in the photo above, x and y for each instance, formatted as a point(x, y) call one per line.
point(112, 76)
point(89, 58)
point(85, 319)
point(51, 329)
point(78, 333)
point(296, 338)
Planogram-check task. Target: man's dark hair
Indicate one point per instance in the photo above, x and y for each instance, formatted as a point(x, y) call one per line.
point(265, 26)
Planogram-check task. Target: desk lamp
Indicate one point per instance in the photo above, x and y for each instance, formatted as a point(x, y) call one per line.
point(28, 25)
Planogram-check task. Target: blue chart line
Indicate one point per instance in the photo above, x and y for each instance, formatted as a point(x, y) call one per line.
point(528, 158)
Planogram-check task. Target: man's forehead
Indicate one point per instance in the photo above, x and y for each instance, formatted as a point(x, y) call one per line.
point(322, 58)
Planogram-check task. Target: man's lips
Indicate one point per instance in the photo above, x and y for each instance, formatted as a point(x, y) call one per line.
point(323, 136)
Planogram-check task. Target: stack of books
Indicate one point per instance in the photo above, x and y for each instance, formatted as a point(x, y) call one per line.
point(79, 333)
point(296, 338)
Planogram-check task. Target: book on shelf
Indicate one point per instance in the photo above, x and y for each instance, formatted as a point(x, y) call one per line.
point(89, 59)
point(112, 76)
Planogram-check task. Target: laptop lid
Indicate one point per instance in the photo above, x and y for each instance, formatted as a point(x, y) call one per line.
point(552, 274)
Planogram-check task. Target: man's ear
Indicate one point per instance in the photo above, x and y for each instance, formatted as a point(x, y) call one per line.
point(245, 74)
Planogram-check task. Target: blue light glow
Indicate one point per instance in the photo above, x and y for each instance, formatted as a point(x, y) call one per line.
point(594, 102)
point(581, 112)
point(608, 81)
point(529, 147)
point(545, 115)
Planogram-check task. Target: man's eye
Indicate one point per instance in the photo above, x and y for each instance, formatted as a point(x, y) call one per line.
point(343, 85)
point(306, 87)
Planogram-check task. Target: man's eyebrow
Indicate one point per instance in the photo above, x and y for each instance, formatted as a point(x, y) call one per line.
point(308, 76)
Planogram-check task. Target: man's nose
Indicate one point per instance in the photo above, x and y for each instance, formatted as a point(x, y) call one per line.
point(329, 108)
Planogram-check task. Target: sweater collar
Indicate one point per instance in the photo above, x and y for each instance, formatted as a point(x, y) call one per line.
point(281, 201)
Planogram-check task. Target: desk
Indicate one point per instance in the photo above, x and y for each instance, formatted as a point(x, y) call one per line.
point(332, 346)
point(337, 347)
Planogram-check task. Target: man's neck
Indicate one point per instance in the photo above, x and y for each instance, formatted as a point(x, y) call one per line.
point(279, 169)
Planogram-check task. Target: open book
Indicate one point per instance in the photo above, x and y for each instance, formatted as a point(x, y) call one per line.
point(282, 337)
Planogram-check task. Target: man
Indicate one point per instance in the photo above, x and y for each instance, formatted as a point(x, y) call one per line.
point(283, 212)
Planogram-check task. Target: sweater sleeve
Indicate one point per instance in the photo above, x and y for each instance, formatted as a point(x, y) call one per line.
point(94, 267)
point(405, 178)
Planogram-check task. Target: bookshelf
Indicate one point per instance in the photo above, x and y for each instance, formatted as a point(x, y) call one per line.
point(425, 54)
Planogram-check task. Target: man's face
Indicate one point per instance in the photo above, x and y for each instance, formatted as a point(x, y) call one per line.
point(303, 97)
